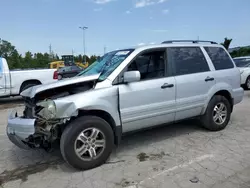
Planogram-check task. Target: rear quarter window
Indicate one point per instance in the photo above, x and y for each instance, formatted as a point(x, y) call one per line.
point(219, 58)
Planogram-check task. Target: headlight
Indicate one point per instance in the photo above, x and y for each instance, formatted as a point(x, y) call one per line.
point(49, 109)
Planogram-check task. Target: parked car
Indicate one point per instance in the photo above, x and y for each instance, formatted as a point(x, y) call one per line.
point(68, 71)
point(244, 65)
point(128, 90)
point(14, 82)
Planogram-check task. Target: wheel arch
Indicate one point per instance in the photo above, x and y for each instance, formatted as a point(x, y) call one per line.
point(222, 92)
point(117, 129)
point(26, 82)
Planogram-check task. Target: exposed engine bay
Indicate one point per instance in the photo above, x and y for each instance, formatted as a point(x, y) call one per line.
point(48, 127)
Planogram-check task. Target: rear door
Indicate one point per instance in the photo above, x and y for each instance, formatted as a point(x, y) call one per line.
point(193, 80)
point(225, 70)
point(2, 79)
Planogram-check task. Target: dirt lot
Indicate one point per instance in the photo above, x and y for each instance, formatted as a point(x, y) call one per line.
point(179, 155)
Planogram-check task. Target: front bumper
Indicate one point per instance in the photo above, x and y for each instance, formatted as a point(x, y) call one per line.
point(19, 129)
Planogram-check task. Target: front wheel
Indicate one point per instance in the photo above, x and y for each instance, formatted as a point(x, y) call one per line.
point(217, 114)
point(87, 142)
point(247, 84)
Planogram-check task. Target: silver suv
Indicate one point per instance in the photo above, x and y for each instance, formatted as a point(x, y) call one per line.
point(128, 90)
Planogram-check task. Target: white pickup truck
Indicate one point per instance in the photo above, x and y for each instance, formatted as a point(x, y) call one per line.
point(14, 82)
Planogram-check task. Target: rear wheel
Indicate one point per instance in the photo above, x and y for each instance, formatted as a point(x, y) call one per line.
point(217, 114)
point(59, 76)
point(87, 142)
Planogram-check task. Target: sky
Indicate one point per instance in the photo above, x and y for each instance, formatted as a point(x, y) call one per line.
point(32, 25)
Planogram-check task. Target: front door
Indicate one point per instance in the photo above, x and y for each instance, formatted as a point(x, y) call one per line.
point(150, 101)
point(2, 79)
point(193, 79)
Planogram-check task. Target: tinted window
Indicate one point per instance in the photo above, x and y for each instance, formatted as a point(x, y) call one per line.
point(243, 62)
point(219, 57)
point(187, 60)
point(150, 64)
point(75, 68)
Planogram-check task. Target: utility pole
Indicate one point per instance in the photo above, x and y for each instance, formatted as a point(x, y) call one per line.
point(105, 48)
point(73, 56)
point(50, 51)
point(83, 28)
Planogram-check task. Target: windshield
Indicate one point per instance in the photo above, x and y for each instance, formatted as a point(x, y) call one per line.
point(106, 64)
point(244, 62)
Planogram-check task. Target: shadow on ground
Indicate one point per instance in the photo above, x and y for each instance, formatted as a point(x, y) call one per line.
point(161, 133)
point(39, 161)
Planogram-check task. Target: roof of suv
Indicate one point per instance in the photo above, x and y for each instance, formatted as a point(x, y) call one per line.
point(175, 43)
point(182, 44)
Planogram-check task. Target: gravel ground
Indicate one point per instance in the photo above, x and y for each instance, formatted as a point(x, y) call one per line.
point(180, 155)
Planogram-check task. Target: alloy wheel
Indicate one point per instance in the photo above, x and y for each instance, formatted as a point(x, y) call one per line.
point(90, 144)
point(220, 113)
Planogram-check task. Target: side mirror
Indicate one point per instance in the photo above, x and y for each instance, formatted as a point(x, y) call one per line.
point(131, 76)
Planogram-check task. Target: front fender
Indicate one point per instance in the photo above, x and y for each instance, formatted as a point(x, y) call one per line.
point(105, 99)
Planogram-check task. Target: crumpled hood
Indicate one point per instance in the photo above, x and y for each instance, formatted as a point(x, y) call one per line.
point(31, 92)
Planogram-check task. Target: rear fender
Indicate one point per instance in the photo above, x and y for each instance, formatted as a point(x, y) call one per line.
point(218, 87)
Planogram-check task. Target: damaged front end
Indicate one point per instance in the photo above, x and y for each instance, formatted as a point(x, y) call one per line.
point(37, 128)
point(41, 124)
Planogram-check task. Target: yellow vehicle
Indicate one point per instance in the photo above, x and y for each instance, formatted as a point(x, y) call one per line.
point(56, 64)
point(83, 65)
point(67, 60)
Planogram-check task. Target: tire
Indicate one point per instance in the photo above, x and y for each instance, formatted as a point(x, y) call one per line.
point(247, 84)
point(59, 77)
point(208, 120)
point(28, 85)
point(69, 142)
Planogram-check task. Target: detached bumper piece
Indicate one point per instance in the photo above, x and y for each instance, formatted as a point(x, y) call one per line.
point(19, 129)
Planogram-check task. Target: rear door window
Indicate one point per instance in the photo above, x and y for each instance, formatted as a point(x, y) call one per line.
point(187, 60)
point(219, 57)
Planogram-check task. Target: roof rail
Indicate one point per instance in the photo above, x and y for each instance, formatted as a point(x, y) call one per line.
point(193, 41)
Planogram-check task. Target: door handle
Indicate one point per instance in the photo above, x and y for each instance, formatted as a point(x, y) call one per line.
point(166, 85)
point(209, 79)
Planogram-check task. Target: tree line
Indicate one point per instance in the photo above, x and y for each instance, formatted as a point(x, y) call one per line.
point(238, 52)
point(29, 60)
point(42, 60)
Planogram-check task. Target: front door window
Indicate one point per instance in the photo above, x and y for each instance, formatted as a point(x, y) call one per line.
point(151, 65)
